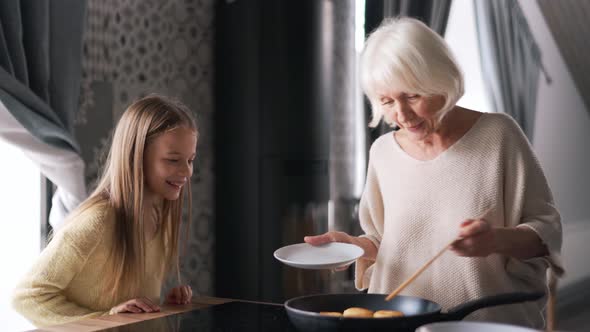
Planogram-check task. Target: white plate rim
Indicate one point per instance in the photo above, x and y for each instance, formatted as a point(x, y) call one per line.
point(353, 258)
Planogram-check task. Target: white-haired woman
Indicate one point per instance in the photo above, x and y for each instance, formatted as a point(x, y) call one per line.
point(447, 172)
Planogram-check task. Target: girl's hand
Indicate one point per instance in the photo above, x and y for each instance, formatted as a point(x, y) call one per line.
point(139, 305)
point(180, 295)
point(477, 239)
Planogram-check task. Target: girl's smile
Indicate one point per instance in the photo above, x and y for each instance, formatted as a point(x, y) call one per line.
point(176, 184)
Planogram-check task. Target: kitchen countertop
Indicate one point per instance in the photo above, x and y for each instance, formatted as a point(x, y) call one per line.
point(104, 322)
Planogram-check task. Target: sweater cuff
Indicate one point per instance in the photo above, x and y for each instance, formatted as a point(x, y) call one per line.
point(376, 241)
point(553, 259)
point(364, 268)
point(362, 274)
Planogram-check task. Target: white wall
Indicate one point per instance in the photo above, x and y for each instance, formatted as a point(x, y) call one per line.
point(461, 36)
point(561, 139)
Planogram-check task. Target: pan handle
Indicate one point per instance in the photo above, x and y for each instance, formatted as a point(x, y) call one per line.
point(459, 312)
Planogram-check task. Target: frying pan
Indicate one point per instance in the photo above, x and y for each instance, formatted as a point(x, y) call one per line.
point(304, 311)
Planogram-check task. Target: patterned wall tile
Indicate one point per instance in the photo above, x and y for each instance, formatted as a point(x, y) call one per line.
point(136, 47)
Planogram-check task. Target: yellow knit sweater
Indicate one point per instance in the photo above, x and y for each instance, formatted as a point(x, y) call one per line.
point(68, 283)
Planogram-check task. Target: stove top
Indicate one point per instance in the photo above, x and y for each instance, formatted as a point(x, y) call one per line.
point(232, 316)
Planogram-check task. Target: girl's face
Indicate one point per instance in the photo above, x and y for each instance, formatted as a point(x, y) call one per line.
point(168, 163)
point(415, 114)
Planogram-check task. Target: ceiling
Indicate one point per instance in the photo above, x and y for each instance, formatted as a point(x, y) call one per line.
point(569, 22)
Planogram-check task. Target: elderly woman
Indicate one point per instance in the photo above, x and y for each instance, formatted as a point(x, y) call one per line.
point(447, 172)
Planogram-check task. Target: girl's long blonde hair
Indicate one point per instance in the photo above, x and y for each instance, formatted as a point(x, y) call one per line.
point(122, 186)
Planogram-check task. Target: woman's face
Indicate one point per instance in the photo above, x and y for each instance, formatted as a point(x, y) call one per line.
point(168, 163)
point(415, 114)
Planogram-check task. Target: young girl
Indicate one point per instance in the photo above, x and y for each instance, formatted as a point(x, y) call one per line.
point(116, 248)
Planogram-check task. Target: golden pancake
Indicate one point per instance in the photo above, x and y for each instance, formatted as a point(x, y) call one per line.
point(357, 313)
point(387, 314)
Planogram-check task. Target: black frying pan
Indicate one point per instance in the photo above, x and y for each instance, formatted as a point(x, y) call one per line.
point(304, 311)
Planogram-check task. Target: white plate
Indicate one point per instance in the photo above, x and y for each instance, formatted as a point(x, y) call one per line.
point(327, 256)
point(460, 326)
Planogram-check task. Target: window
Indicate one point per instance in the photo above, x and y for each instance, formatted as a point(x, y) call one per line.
point(20, 213)
point(461, 35)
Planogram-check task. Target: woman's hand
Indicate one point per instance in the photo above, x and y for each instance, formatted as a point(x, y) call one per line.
point(370, 251)
point(480, 239)
point(180, 295)
point(477, 239)
point(139, 305)
point(328, 237)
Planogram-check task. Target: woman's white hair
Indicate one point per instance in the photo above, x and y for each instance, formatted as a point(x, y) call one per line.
point(403, 54)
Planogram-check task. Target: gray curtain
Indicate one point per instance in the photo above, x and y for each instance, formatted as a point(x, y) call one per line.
point(40, 73)
point(433, 13)
point(510, 60)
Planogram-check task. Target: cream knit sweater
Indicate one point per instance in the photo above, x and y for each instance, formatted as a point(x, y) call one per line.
point(410, 209)
point(68, 281)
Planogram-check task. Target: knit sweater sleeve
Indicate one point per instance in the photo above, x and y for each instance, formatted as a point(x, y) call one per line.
point(371, 220)
point(528, 199)
point(40, 295)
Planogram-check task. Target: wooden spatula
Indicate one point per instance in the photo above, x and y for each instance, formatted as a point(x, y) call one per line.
point(420, 270)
